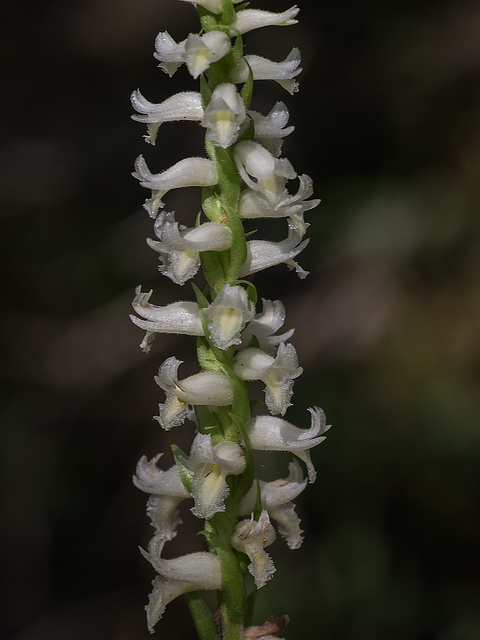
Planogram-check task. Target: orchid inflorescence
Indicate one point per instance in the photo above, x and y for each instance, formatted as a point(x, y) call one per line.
point(238, 341)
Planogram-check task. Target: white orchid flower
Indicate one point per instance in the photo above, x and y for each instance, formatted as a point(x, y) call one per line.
point(251, 537)
point(267, 433)
point(179, 247)
point(262, 254)
point(181, 106)
point(276, 497)
point(260, 170)
point(227, 316)
point(197, 52)
point(210, 465)
point(250, 19)
point(263, 69)
point(278, 374)
point(202, 51)
point(265, 324)
point(167, 491)
point(224, 115)
point(189, 172)
point(192, 572)
point(179, 317)
point(279, 203)
point(205, 388)
point(270, 130)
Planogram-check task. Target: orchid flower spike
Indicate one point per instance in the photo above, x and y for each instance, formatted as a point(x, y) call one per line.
point(267, 433)
point(205, 388)
point(278, 374)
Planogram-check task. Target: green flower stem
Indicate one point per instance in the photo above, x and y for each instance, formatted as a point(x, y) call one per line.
point(202, 617)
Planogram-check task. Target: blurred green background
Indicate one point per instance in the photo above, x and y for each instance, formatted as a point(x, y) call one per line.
point(387, 324)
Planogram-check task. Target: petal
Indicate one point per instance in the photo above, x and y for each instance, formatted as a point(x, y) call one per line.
point(252, 364)
point(181, 106)
point(224, 115)
point(201, 51)
point(262, 254)
point(264, 69)
point(250, 19)
point(189, 172)
point(192, 572)
point(206, 388)
point(227, 316)
point(179, 317)
point(168, 52)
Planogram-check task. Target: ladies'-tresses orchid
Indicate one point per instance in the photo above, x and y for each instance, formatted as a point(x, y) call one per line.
point(263, 69)
point(276, 497)
point(264, 326)
point(271, 129)
point(193, 572)
point(179, 317)
point(243, 176)
point(227, 316)
point(198, 52)
point(181, 106)
point(255, 204)
point(267, 433)
point(224, 115)
point(210, 465)
point(277, 373)
point(250, 19)
point(167, 491)
point(205, 388)
point(251, 537)
point(266, 196)
point(190, 172)
point(179, 247)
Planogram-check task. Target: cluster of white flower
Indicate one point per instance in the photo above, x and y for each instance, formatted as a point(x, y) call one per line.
point(244, 177)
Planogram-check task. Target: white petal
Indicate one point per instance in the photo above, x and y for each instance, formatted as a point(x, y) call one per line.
point(179, 317)
point(262, 254)
point(227, 316)
point(201, 51)
point(192, 572)
point(251, 538)
point(224, 115)
point(189, 172)
point(181, 106)
point(268, 433)
point(250, 19)
point(253, 364)
point(168, 52)
point(264, 69)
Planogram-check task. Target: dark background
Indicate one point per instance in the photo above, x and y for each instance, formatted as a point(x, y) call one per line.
point(387, 324)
